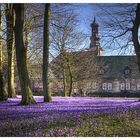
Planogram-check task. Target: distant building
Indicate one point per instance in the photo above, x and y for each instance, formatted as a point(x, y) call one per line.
point(111, 73)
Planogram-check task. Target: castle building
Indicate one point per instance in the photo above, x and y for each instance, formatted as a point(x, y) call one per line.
point(92, 72)
point(98, 73)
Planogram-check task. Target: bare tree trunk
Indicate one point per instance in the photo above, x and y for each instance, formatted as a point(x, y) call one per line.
point(63, 55)
point(64, 82)
point(46, 43)
point(26, 38)
point(71, 79)
point(136, 26)
point(10, 49)
point(135, 30)
point(3, 91)
point(21, 56)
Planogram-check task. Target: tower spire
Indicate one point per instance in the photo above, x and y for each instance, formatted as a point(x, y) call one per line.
point(95, 40)
point(94, 19)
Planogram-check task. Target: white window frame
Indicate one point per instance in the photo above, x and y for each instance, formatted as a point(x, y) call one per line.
point(104, 86)
point(88, 85)
point(127, 86)
point(94, 85)
point(122, 86)
point(109, 86)
point(138, 87)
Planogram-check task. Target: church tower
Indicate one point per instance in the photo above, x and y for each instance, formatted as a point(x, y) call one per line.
point(95, 44)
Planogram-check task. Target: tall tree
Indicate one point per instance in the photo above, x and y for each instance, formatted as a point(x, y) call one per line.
point(46, 43)
point(21, 56)
point(70, 76)
point(135, 37)
point(3, 91)
point(65, 38)
point(10, 49)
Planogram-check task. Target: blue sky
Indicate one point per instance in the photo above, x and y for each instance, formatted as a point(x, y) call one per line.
point(87, 12)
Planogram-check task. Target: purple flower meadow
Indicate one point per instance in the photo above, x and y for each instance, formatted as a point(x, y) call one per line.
point(61, 117)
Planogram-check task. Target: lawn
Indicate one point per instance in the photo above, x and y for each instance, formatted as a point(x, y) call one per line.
point(71, 116)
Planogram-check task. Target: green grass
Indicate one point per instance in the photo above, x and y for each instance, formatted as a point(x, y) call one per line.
point(114, 124)
point(104, 125)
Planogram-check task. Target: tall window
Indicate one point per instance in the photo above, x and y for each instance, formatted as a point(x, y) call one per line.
point(122, 86)
point(109, 86)
point(127, 86)
point(104, 86)
point(88, 85)
point(94, 85)
point(138, 87)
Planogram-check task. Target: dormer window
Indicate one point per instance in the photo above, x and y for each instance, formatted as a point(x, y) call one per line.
point(101, 71)
point(127, 71)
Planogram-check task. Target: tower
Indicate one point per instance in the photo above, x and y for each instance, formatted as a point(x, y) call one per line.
point(95, 40)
